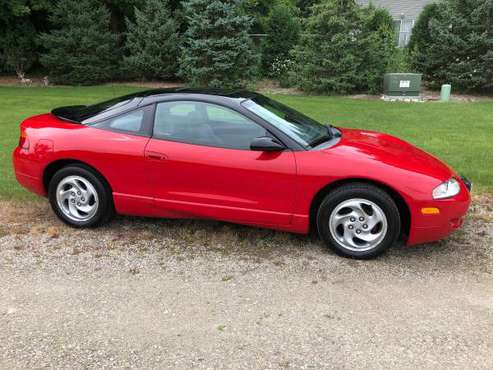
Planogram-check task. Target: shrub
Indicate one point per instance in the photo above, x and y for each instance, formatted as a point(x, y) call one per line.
point(81, 49)
point(282, 28)
point(454, 45)
point(378, 39)
point(217, 50)
point(343, 48)
point(401, 61)
point(152, 42)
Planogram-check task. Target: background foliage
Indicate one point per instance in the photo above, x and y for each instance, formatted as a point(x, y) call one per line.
point(343, 48)
point(453, 43)
point(82, 49)
point(217, 50)
point(329, 46)
point(152, 42)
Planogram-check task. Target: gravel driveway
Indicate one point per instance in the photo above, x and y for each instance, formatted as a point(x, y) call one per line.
point(198, 294)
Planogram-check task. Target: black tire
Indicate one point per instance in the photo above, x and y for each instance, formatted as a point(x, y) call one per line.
point(359, 191)
point(105, 210)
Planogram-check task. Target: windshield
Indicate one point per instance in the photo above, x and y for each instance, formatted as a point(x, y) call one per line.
point(296, 125)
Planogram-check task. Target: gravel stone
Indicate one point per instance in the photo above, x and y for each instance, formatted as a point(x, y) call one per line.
point(146, 293)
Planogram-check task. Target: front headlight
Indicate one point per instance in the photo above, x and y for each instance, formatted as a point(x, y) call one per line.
point(447, 190)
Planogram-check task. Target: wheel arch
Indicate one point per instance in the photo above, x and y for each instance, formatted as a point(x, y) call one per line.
point(403, 207)
point(54, 166)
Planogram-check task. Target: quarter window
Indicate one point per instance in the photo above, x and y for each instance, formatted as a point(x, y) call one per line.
point(132, 122)
point(205, 124)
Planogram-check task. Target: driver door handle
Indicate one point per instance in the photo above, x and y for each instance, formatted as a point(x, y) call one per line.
point(156, 156)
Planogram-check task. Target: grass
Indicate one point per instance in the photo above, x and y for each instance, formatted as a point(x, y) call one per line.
point(459, 133)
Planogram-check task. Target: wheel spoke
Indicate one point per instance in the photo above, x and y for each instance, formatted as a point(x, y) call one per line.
point(368, 237)
point(373, 221)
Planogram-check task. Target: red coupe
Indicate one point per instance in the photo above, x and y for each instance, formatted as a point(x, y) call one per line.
point(240, 157)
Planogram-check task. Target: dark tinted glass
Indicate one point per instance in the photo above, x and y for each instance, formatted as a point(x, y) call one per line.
point(131, 123)
point(205, 124)
point(296, 125)
point(95, 112)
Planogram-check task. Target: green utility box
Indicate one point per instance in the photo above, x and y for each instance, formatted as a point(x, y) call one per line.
point(402, 85)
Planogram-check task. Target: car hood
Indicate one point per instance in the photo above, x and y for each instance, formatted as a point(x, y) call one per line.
point(382, 149)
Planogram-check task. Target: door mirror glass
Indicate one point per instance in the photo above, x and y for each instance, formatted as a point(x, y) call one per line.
point(266, 144)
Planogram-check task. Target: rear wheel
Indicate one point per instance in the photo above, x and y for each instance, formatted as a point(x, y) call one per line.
point(80, 197)
point(359, 221)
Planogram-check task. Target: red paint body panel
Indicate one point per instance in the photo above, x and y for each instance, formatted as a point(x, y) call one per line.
point(157, 178)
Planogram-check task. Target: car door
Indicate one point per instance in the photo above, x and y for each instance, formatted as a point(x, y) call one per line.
point(202, 166)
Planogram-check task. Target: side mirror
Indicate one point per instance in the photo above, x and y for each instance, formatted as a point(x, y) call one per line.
point(266, 144)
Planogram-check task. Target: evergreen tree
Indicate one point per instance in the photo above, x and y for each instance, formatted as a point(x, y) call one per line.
point(343, 48)
point(81, 50)
point(282, 28)
point(18, 47)
point(306, 5)
point(421, 31)
point(152, 42)
point(217, 51)
point(379, 41)
point(458, 48)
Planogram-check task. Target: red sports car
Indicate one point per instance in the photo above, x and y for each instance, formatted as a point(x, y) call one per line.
point(240, 157)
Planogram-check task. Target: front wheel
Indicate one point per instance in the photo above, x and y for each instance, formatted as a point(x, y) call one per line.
point(359, 221)
point(80, 197)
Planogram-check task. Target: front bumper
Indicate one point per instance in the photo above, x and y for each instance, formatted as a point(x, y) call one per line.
point(430, 228)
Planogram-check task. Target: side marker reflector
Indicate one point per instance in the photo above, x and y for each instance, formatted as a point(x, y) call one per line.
point(430, 211)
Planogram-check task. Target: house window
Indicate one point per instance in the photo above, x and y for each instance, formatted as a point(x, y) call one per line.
point(403, 28)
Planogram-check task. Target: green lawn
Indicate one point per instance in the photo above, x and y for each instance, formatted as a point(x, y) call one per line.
point(459, 133)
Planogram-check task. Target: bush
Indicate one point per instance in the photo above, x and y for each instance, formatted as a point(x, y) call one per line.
point(401, 61)
point(217, 51)
point(378, 39)
point(282, 28)
point(152, 42)
point(344, 48)
point(81, 50)
point(454, 44)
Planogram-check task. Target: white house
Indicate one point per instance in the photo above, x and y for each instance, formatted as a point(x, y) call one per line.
point(404, 12)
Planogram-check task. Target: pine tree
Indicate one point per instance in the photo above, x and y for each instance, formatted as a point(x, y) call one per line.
point(81, 49)
point(343, 48)
point(282, 28)
point(217, 51)
point(17, 46)
point(152, 42)
point(458, 48)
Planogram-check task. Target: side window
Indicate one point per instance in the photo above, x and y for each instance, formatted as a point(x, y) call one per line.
point(205, 124)
point(132, 123)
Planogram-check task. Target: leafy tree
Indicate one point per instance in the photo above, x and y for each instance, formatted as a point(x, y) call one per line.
point(282, 28)
point(18, 46)
point(378, 37)
point(305, 6)
point(456, 45)
point(217, 50)
point(152, 42)
point(343, 48)
point(20, 20)
point(258, 10)
point(421, 30)
point(21, 8)
point(81, 50)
